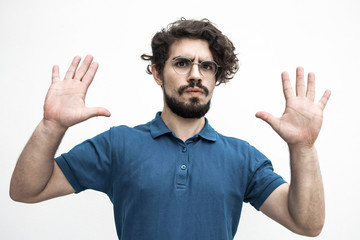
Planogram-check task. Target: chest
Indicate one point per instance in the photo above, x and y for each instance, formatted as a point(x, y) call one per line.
point(194, 169)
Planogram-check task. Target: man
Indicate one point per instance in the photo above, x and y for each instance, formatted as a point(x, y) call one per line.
point(176, 177)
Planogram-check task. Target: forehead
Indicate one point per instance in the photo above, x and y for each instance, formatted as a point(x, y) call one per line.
point(191, 48)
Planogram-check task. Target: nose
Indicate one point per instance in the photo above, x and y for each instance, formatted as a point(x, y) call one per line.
point(195, 72)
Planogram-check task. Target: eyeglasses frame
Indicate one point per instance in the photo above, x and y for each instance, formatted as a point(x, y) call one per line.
point(197, 63)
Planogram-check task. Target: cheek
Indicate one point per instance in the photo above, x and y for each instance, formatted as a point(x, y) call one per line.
point(170, 88)
point(211, 88)
point(172, 84)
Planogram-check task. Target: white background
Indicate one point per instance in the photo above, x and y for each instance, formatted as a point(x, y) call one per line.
point(270, 37)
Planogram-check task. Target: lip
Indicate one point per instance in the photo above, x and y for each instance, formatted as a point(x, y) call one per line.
point(196, 91)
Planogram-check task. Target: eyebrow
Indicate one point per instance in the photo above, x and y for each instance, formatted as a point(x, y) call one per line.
point(192, 59)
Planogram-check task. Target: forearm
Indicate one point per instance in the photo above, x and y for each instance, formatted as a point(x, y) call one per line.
point(36, 162)
point(306, 193)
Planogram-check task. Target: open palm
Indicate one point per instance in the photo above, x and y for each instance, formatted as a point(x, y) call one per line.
point(65, 100)
point(301, 121)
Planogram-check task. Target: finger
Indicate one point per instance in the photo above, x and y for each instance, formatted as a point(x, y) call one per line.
point(71, 71)
point(55, 74)
point(300, 83)
point(90, 73)
point(96, 111)
point(324, 99)
point(310, 92)
point(287, 89)
point(83, 67)
point(270, 119)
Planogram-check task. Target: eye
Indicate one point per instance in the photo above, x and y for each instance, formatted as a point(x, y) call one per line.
point(208, 65)
point(182, 62)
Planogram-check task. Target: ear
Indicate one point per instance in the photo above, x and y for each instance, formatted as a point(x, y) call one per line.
point(156, 75)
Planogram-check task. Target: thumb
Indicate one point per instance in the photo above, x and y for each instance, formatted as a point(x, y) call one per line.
point(269, 118)
point(97, 111)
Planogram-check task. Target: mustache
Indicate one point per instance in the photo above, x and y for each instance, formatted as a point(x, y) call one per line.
point(192, 84)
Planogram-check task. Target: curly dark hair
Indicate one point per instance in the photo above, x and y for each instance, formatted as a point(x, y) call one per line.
point(220, 46)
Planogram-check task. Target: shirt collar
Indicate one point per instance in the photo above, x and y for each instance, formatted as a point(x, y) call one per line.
point(159, 128)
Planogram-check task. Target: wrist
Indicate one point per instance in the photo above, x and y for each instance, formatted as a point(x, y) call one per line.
point(302, 154)
point(52, 128)
point(301, 147)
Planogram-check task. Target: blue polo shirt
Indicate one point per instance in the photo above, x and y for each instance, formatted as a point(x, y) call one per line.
point(164, 188)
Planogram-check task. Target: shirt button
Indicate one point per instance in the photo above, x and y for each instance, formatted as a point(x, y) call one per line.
point(184, 149)
point(183, 167)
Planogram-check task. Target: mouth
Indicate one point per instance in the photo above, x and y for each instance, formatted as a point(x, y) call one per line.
point(194, 91)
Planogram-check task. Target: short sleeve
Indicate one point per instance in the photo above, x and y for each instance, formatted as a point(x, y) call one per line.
point(262, 180)
point(88, 165)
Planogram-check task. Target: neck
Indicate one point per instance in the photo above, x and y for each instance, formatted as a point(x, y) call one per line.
point(184, 128)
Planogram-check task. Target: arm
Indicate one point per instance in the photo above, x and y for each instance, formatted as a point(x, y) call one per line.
point(36, 176)
point(299, 206)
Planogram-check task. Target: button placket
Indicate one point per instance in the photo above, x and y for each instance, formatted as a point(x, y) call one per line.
point(182, 168)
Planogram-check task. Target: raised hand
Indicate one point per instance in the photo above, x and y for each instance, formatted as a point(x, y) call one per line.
point(65, 100)
point(301, 121)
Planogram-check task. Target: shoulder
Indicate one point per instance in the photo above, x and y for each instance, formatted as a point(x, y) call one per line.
point(232, 142)
point(242, 149)
point(123, 129)
point(126, 134)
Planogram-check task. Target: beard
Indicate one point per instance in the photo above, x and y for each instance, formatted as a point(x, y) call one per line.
point(188, 110)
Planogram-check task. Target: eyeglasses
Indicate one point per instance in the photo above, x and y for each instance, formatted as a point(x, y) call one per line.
point(183, 66)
